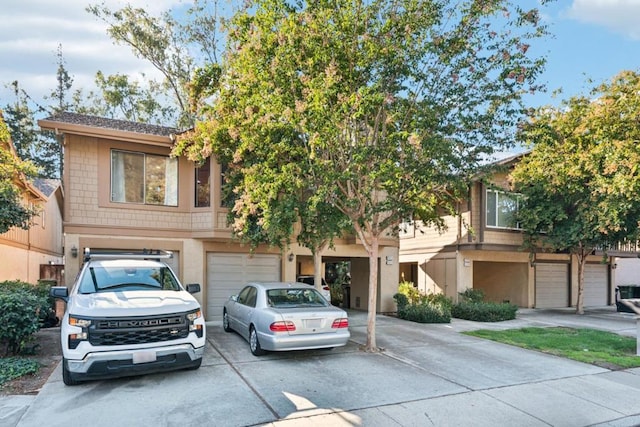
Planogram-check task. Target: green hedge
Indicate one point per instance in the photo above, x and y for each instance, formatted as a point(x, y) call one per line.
point(426, 310)
point(424, 313)
point(484, 311)
point(23, 309)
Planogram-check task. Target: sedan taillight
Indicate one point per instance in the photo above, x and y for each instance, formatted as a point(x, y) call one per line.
point(287, 326)
point(340, 323)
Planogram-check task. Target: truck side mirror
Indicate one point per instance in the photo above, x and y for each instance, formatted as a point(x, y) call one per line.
point(60, 292)
point(193, 288)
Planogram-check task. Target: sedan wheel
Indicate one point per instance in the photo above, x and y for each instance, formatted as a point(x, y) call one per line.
point(254, 344)
point(225, 322)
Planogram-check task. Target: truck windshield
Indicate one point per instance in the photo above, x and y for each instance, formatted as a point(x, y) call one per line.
point(108, 279)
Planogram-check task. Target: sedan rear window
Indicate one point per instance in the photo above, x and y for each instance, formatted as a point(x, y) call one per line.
point(295, 297)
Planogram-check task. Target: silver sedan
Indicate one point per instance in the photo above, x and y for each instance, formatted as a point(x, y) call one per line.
point(278, 316)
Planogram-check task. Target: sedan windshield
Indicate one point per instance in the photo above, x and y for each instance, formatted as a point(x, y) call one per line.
point(107, 279)
point(295, 297)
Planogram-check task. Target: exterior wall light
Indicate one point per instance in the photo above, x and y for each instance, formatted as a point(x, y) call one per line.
point(74, 251)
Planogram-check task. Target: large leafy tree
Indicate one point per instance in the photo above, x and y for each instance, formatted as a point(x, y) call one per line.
point(173, 43)
point(40, 147)
point(176, 44)
point(581, 180)
point(13, 212)
point(386, 107)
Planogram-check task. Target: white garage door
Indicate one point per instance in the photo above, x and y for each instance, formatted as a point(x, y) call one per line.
point(595, 285)
point(552, 285)
point(227, 273)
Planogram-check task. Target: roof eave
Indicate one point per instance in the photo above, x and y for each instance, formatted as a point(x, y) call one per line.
point(98, 132)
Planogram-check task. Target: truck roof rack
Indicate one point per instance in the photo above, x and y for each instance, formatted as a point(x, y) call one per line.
point(150, 254)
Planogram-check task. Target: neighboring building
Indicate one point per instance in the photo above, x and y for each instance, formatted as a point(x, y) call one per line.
point(36, 253)
point(123, 191)
point(481, 249)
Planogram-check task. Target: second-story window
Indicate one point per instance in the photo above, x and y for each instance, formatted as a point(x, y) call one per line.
point(144, 178)
point(501, 209)
point(203, 185)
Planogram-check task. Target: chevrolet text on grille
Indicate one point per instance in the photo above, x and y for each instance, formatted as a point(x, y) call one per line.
point(142, 322)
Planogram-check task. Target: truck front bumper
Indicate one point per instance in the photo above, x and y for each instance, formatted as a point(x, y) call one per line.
point(111, 364)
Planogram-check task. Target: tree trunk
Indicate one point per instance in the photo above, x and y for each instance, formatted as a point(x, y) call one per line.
point(373, 295)
point(582, 260)
point(317, 267)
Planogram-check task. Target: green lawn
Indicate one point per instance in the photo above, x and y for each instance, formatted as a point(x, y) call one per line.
point(599, 348)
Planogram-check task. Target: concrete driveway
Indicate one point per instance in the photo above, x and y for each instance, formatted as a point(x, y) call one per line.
point(426, 375)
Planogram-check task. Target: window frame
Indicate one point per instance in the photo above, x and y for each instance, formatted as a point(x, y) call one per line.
point(145, 177)
point(198, 184)
point(515, 197)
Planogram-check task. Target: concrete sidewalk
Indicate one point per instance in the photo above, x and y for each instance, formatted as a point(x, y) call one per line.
point(426, 375)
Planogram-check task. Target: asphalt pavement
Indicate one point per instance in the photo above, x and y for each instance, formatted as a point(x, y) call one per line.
point(426, 374)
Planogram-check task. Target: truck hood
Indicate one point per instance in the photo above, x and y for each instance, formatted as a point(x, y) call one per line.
point(132, 303)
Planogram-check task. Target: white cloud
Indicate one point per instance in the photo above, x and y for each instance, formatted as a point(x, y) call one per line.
point(621, 16)
point(31, 31)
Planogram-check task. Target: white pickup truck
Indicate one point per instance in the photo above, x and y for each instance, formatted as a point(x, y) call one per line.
point(127, 314)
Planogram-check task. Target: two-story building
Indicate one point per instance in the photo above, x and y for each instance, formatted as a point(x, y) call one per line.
point(482, 249)
point(35, 253)
point(124, 191)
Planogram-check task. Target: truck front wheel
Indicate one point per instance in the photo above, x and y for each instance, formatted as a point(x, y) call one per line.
point(66, 375)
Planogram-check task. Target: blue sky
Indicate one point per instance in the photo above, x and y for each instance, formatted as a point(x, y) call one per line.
point(593, 39)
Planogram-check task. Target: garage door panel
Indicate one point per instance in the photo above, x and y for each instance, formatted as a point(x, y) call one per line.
point(227, 273)
point(552, 285)
point(595, 285)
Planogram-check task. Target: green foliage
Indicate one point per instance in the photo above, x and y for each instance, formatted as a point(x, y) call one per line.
point(412, 293)
point(484, 311)
point(580, 182)
point(15, 367)
point(13, 213)
point(440, 300)
point(417, 307)
point(181, 44)
point(472, 295)
point(374, 111)
point(41, 290)
point(24, 308)
point(424, 313)
point(401, 300)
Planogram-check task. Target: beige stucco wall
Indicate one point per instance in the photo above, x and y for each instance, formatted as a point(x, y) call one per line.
point(22, 264)
point(22, 251)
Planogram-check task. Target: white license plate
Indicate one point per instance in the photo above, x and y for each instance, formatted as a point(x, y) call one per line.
point(144, 356)
point(313, 323)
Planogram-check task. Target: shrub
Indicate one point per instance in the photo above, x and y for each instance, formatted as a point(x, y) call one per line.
point(21, 309)
point(439, 300)
point(484, 311)
point(425, 313)
point(472, 295)
point(40, 290)
point(401, 300)
point(418, 307)
point(15, 367)
point(411, 292)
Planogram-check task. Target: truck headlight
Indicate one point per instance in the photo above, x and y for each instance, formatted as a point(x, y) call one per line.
point(76, 338)
point(193, 327)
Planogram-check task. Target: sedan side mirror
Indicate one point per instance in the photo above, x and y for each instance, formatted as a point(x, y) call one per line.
point(234, 298)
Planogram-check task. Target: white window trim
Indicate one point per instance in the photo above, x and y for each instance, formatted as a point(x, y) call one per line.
point(514, 196)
